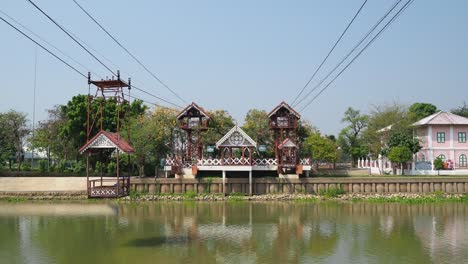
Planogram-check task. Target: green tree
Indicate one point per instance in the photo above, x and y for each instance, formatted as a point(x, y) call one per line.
point(257, 127)
point(438, 164)
point(220, 123)
point(399, 139)
point(461, 110)
point(418, 111)
point(153, 136)
point(14, 132)
point(400, 154)
point(349, 138)
point(321, 148)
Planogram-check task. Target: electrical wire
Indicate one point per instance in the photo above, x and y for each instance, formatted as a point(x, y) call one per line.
point(329, 53)
point(129, 53)
point(402, 9)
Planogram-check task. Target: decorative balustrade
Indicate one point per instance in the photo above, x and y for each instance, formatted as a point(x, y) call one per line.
point(265, 162)
point(232, 162)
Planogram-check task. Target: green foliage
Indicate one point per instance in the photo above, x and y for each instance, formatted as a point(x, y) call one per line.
point(13, 132)
point(78, 167)
point(331, 192)
point(99, 167)
point(461, 110)
point(257, 126)
point(208, 181)
point(400, 154)
point(220, 123)
point(26, 167)
point(349, 138)
point(111, 167)
point(321, 148)
point(418, 111)
point(190, 195)
point(404, 140)
point(42, 166)
point(16, 199)
point(438, 163)
point(134, 194)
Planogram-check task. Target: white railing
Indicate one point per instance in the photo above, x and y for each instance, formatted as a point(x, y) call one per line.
point(305, 161)
point(265, 162)
point(237, 161)
point(209, 162)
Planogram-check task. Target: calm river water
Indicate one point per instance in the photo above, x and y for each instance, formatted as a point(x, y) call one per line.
point(232, 232)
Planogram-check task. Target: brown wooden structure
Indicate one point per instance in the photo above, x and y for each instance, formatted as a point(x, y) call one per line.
point(194, 121)
point(107, 143)
point(284, 121)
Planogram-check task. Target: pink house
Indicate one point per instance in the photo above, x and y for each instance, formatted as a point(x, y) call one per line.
point(442, 135)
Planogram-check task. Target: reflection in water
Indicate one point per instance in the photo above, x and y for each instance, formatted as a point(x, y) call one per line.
point(219, 232)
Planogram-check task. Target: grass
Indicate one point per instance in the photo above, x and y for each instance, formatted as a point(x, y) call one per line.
point(431, 198)
point(331, 192)
point(16, 199)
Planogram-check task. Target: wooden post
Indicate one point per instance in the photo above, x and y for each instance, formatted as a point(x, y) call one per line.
point(250, 182)
point(224, 182)
point(87, 175)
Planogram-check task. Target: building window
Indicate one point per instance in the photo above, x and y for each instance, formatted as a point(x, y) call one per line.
point(440, 137)
point(423, 157)
point(442, 157)
point(462, 137)
point(462, 160)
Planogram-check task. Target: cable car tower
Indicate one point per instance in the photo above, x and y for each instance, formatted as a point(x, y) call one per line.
point(106, 143)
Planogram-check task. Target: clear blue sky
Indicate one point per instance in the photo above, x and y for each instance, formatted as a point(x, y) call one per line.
point(244, 54)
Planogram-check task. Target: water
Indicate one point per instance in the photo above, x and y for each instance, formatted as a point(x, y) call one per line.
point(242, 232)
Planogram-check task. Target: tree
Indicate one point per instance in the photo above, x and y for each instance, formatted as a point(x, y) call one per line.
point(438, 164)
point(153, 136)
point(257, 127)
point(220, 123)
point(418, 111)
point(384, 120)
point(399, 139)
point(349, 138)
point(461, 110)
point(14, 133)
point(400, 154)
point(321, 148)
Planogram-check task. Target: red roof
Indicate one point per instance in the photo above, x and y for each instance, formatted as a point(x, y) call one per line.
point(116, 141)
point(285, 105)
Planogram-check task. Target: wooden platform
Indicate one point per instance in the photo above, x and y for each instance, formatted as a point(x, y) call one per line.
point(109, 188)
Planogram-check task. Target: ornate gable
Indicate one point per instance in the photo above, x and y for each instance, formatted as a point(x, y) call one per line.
point(193, 108)
point(284, 105)
point(107, 140)
point(236, 137)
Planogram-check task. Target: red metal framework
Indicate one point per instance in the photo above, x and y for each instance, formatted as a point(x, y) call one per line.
point(284, 121)
point(104, 142)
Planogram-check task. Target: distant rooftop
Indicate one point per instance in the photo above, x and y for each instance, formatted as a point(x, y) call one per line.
point(442, 118)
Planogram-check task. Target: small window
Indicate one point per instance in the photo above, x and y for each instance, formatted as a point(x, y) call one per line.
point(462, 137)
point(462, 160)
point(442, 157)
point(440, 137)
point(423, 157)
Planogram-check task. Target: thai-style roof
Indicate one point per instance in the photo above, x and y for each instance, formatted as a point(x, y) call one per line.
point(107, 140)
point(287, 143)
point(284, 105)
point(236, 137)
point(442, 118)
point(193, 105)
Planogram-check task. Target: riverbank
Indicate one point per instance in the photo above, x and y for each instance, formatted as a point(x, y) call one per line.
point(237, 197)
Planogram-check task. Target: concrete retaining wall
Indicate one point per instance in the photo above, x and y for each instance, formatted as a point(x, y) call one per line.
point(305, 185)
point(241, 185)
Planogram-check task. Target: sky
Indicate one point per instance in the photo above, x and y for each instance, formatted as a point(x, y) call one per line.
point(239, 55)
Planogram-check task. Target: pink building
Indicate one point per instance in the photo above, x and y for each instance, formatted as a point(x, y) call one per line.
point(442, 135)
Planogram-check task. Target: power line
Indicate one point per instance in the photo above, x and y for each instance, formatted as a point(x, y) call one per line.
point(155, 104)
point(403, 8)
point(331, 50)
point(76, 70)
point(128, 52)
point(44, 48)
point(47, 42)
point(389, 11)
point(74, 39)
point(162, 99)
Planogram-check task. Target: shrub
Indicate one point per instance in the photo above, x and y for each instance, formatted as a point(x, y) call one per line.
point(190, 195)
point(78, 167)
point(43, 166)
point(111, 167)
point(99, 167)
point(26, 167)
point(332, 192)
